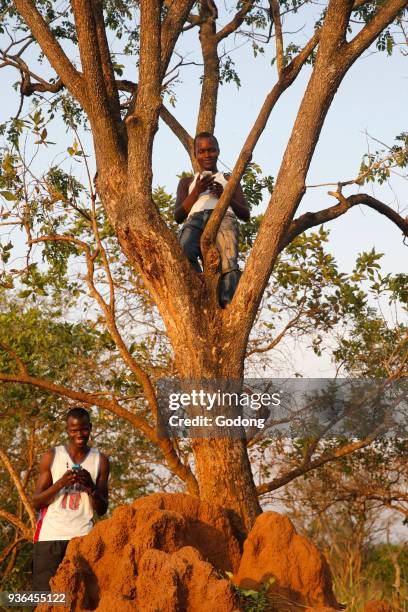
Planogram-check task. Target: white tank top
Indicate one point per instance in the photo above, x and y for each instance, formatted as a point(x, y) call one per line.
point(70, 513)
point(207, 201)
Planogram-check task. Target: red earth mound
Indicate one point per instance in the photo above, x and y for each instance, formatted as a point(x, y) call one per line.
point(299, 572)
point(171, 552)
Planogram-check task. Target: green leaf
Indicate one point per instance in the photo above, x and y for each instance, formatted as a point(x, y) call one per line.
point(8, 195)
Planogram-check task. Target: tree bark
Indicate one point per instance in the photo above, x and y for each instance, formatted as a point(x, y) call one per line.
point(224, 475)
point(211, 78)
point(222, 466)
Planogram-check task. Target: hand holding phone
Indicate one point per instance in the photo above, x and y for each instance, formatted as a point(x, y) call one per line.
point(204, 181)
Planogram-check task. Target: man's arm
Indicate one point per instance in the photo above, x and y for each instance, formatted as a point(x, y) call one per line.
point(238, 203)
point(184, 200)
point(98, 492)
point(45, 489)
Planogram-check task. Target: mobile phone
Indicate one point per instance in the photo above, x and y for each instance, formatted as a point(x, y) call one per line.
point(206, 173)
point(76, 467)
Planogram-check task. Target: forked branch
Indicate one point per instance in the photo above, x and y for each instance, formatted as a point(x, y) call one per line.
point(18, 523)
point(306, 467)
point(236, 21)
point(52, 49)
point(308, 220)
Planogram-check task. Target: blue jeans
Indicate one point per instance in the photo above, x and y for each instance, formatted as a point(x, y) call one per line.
point(227, 244)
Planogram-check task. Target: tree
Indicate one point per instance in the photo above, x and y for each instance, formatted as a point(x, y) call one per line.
point(123, 138)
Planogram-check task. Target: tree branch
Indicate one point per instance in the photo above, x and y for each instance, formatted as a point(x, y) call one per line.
point(6, 551)
point(236, 22)
point(150, 56)
point(19, 487)
point(211, 76)
point(100, 96)
point(383, 495)
point(334, 30)
point(14, 520)
point(13, 355)
point(171, 27)
point(27, 88)
point(52, 49)
point(106, 60)
point(277, 339)
point(308, 220)
point(93, 399)
point(142, 120)
point(178, 130)
point(384, 16)
point(275, 10)
point(193, 20)
point(347, 449)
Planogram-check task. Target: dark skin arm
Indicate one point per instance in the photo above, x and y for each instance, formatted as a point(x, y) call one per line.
point(46, 490)
point(238, 203)
point(98, 492)
point(185, 201)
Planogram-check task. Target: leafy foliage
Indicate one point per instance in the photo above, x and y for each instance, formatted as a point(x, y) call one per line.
point(378, 166)
point(255, 600)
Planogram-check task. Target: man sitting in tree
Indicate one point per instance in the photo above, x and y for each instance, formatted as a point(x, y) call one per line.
point(196, 199)
point(72, 484)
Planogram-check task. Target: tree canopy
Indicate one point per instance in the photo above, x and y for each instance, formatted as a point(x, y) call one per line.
point(119, 224)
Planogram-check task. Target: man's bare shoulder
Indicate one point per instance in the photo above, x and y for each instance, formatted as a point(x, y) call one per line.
point(104, 460)
point(185, 181)
point(47, 458)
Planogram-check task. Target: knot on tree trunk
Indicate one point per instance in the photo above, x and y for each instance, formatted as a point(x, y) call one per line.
point(212, 259)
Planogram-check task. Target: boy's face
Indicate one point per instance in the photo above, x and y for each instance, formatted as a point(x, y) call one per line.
point(206, 152)
point(78, 431)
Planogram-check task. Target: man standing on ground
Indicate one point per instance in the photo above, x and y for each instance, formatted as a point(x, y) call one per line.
point(72, 483)
point(196, 199)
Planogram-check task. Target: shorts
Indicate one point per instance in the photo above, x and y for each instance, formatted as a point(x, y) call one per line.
point(47, 556)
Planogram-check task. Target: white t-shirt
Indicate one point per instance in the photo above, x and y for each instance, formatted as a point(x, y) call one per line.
point(70, 513)
point(207, 200)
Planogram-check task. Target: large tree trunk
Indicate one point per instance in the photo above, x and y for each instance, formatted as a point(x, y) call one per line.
point(222, 465)
point(203, 343)
point(224, 475)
